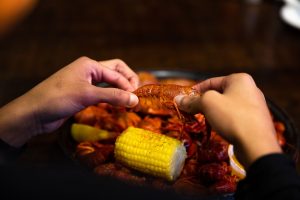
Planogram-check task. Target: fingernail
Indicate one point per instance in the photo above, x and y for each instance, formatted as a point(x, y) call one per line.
point(133, 100)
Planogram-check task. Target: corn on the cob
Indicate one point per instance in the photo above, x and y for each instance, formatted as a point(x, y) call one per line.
point(151, 153)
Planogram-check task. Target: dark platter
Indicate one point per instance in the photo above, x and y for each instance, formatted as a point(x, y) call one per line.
point(291, 133)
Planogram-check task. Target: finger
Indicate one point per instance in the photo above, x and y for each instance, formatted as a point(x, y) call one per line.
point(216, 83)
point(112, 96)
point(189, 104)
point(105, 74)
point(237, 83)
point(121, 67)
point(199, 104)
point(210, 101)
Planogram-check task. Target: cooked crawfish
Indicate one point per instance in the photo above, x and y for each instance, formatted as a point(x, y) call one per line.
point(126, 119)
point(91, 115)
point(159, 98)
point(226, 185)
point(213, 171)
point(93, 154)
point(151, 124)
point(213, 151)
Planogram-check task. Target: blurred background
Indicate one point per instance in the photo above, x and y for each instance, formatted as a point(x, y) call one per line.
point(208, 36)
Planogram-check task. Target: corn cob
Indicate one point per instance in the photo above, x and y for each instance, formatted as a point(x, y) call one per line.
point(151, 153)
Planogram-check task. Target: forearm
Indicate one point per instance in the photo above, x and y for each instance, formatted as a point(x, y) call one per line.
point(17, 121)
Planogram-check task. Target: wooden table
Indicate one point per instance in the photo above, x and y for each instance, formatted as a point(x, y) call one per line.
point(218, 37)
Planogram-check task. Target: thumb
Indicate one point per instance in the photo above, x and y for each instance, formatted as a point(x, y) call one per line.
point(189, 104)
point(198, 104)
point(115, 97)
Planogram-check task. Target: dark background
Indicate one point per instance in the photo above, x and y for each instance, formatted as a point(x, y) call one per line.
point(207, 36)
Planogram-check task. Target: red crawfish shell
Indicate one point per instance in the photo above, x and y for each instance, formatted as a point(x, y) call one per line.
point(161, 96)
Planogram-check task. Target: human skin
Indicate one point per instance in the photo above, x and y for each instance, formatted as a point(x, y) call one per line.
point(237, 109)
point(44, 108)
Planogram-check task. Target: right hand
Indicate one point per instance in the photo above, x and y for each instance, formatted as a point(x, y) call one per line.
point(44, 108)
point(237, 110)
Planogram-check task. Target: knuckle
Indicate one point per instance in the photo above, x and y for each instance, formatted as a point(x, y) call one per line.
point(83, 59)
point(86, 61)
point(244, 77)
point(118, 60)
point(120, 63)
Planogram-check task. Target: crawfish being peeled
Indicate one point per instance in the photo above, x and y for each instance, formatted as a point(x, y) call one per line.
point(159, 98)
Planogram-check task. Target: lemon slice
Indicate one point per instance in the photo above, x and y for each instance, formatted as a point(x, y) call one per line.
point(86, 133)
point(237, 168)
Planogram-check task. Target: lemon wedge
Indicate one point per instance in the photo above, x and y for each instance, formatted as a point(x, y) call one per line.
point(86, 133)
point(237, 168)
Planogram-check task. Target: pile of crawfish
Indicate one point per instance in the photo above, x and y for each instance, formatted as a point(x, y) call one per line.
point(206, 171)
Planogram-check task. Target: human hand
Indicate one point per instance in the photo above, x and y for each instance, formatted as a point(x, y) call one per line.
point(236, 109)
point(45, 107)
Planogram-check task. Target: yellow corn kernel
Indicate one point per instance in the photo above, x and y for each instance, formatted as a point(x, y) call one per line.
point(151, 153)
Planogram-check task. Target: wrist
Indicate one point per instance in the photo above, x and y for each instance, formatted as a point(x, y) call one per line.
point(17, 122)
point(248, 151)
